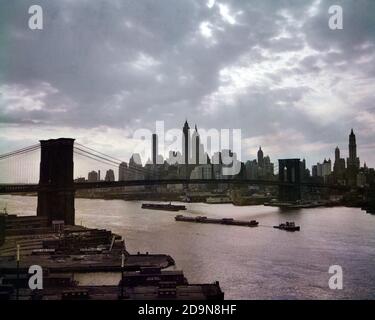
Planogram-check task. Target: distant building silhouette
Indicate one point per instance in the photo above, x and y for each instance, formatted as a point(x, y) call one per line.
point(154, 148)
point(186, 143)
point(260, 168)
point(122, 171)
point(92, 176)
point(326, 167)
point(196, 146)
point(322, 170)
point(260, 157)
point(339, 166)
point(135, 171)
point(352, 162)
point(109, 175)
point(314, 171)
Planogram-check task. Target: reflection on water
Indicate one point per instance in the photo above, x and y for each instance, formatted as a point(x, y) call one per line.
point(250, 263)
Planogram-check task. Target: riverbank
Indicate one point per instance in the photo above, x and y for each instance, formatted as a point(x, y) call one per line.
point(61, 251)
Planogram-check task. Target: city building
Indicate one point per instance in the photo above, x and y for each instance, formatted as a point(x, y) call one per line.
point(186, 143)
point(322, 170)
point(135, 170)
point(154, 149)
point(339, 165)
point(326, 167)
point(175, 157)
point(262, 168)
point(352, 162)
point(203, 171)
point(195, 144)
point(93, 176)
point(314, 171)
point(122, 171)
point(260, 157)
point(361, 178)
point(251, 168)
point(109, 175)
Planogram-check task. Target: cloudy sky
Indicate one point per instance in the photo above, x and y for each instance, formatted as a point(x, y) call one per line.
point(101, 69)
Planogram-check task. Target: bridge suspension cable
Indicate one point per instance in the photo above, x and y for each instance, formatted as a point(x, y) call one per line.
point(103, 154)
point(20, 151)
point(20, 166)
point(108, 160)
point(96, 159)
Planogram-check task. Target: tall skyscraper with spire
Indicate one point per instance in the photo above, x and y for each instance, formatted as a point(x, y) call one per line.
point(353, 160)
point(186, 143)
point(260, 157)
point(196, 146)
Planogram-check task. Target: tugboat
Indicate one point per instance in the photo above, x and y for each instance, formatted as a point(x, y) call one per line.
point(167, 207)
point(288, 226)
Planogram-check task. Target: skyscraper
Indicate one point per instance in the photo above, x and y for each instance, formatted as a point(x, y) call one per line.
point(327, 167)
point(92, 176)
point(196, 146)
point(337, 154)
point(353, 160)
point(122, 171)
point(339, 165)
point(186, 142)
point(154, 148)
point(109, 175)
point(260, 157)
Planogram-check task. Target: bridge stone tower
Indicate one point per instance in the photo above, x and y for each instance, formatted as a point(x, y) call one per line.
point(290, 172)
point(56, 192)
point(2, 228)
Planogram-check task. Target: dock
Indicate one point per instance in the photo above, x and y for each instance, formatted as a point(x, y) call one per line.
point(104, 262)
point(64, 250)
point(107, 292)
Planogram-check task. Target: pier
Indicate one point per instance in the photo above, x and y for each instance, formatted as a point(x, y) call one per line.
point(64, 250)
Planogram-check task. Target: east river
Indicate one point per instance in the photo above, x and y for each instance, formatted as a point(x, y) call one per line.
point(249, 263)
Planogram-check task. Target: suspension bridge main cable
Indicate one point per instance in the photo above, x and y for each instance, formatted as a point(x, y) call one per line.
point(106, 155)
point(20, 151)
point(98, 156)
point(98, 160)
point(108, 160)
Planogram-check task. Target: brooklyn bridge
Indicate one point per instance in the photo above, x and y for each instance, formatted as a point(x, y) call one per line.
point(56, 187)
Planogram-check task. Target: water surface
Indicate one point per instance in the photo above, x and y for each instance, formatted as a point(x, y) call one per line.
point(250, 263)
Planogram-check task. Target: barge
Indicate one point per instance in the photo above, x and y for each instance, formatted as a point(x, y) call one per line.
point(227, 221)
point(166, 207)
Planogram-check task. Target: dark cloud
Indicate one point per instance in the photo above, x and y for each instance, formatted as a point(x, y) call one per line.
point(266, 67)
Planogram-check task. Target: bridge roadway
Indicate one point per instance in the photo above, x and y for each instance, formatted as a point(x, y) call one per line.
point(22, 188)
